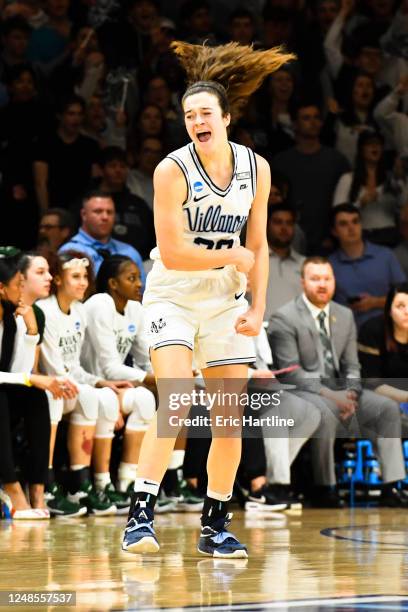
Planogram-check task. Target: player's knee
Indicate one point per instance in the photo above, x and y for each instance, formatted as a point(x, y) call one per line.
point(85, 411)
point(140, 405)
point(108, 413)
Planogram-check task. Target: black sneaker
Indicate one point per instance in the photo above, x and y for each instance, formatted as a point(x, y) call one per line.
point(326, 497)
point(58, 504)
point(263, 500)
point(216, 541)
point(119, 499)
point(393, 498)
point(139, 536)
point(96, 501)
point(186, 498)
point(283, 492)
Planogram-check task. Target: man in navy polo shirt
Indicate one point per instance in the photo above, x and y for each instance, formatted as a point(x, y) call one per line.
point(364, 271)
point(94, 237)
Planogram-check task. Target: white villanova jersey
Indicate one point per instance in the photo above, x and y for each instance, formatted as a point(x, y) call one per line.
point(214, 217)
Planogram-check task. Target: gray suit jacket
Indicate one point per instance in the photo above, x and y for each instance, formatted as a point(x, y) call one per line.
point(295, 340)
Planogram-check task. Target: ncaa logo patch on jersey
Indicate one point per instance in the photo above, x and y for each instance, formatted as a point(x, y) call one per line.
point(198, 186)
point(132, 328)
point(77, 325)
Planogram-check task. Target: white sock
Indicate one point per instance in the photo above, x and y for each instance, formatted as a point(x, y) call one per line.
point(126, 475)
point(101, 479)
point(146, 485)
point(176, 459)
point(77, 467)
point(222, 497)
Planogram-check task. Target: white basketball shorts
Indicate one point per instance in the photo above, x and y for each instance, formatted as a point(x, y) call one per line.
point(198, 310)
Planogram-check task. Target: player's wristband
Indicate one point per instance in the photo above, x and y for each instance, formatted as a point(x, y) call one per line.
point(27, 381)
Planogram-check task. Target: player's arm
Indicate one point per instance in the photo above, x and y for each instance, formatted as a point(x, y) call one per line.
point(170, 192)
point(249, 323)
point(256, 237)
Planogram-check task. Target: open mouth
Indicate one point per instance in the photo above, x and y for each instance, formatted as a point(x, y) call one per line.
point(204, 136)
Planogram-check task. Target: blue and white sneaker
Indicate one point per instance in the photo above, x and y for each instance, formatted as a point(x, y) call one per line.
point(139, 535)
point(216, 541)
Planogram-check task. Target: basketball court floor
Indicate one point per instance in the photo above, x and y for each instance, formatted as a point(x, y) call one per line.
point(312, 560)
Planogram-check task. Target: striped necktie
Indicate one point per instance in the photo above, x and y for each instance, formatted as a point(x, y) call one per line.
point(329, 368)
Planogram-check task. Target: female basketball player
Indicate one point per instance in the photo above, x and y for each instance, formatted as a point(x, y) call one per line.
point(194, 298)
point(95, 409)
point(36, 285)
point(115, 330)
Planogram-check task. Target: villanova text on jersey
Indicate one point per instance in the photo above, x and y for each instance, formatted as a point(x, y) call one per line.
point(211, 219)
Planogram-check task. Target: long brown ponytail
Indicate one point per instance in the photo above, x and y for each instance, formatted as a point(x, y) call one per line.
point(230, 71)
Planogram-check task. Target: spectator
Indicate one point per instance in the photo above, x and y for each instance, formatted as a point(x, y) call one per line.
point(313, 170)
point(284, 262)
point(373, 190)
point(94, 237)
point(101, 128)
point(56, 227)
point(401, 251)
point(160, 59)
point(31, 10)
point(313, 59)
point(140, 179)
point(267, 453)
point(392, 121)
point(65, 161)
point(364, 271)
point(22, 121)
point(242, 133)
point(128, 42)
point(159, 93)
point(363, 53)
point(48, 42)
point(82, 67)
point(15, 33)
point(279, 27)
point(343, 127)
point(150, 122)
point(383, 343)
point(242, 27)
point(279, 194)
point(319, 335)
point(197, 22)
point(281, 135)
point(134, 219)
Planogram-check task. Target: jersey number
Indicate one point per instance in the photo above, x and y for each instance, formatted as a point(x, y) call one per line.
point(210, 244)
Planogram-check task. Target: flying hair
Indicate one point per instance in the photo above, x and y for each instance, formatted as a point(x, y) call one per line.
point(232, 72)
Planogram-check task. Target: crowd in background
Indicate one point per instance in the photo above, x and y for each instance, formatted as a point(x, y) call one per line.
point(90, 103)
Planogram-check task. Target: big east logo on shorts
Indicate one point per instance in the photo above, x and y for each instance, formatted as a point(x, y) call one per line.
point(156, 326)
